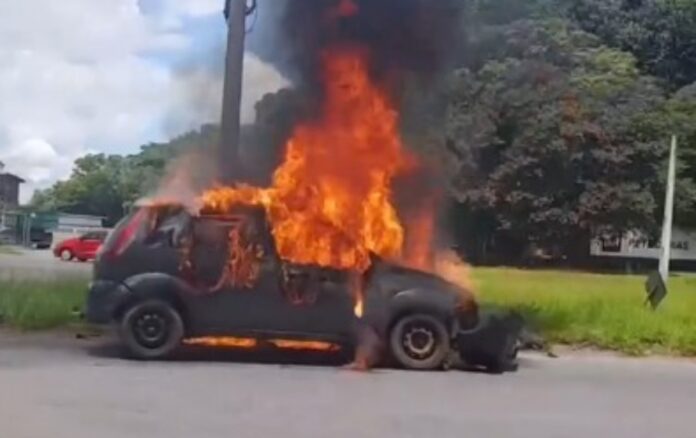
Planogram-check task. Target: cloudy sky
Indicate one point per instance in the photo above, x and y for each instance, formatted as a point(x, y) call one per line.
point(80, 76)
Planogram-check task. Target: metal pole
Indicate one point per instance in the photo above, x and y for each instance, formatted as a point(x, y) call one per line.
point(229, 155)
point(666, 243)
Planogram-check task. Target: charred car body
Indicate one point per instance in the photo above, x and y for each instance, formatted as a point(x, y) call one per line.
point(165, 275)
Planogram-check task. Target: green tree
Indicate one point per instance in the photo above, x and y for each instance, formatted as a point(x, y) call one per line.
point(548, 142)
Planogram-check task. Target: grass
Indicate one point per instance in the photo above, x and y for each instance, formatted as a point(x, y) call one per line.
point(6, 250)
point(38, 305)
point(604, 311)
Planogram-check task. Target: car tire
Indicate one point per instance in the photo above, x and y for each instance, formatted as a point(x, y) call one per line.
point(66, 255)
point(419, 342)
point(151, 329)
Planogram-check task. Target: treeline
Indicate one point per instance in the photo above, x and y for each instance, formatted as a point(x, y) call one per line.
point(552, 126)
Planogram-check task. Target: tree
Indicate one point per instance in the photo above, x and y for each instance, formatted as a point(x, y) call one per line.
point(659, 33)
point(547, 143)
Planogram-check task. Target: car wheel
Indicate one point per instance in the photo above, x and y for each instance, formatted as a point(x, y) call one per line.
point(66, 255)
point(151, 329)
point(420, 342)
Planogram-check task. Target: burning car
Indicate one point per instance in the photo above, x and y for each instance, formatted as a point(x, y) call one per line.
point(167, 277)
point(336, 250)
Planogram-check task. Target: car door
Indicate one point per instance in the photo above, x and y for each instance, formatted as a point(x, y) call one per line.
point(90, 244)
point(276, 298)
point(236, 276)
point(316, 301)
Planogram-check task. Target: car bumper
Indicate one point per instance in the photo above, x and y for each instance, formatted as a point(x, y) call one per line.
point(493, 343)
point(103, 300)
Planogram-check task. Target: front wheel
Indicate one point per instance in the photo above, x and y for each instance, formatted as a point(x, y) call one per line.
point(420, 342)
point(151, 329)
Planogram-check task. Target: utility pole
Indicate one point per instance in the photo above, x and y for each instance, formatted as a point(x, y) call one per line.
point(666, 247)
point(229, 156)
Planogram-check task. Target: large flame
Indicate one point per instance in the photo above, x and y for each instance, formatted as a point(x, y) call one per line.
point(330, 203)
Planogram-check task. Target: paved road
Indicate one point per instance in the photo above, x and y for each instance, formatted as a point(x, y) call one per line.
point(30, 264)
point(58, 387)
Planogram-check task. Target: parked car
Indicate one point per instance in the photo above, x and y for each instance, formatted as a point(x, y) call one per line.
point(165, 276)
point(82, 248)
point(41, 239)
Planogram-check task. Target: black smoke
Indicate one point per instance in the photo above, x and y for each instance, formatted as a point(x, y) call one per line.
point(403, 36)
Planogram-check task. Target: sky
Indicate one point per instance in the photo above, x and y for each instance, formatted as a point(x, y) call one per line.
point(90, 76)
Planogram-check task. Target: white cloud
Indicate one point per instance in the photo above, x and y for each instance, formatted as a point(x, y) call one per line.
point(199, 93)
point(194, 8)
point(81, 75)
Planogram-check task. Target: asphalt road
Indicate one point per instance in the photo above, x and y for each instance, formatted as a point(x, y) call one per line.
point(32, 264)
point(59, 387)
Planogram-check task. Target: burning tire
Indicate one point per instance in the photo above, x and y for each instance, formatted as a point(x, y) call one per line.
point(420, 342)
point(151, 329)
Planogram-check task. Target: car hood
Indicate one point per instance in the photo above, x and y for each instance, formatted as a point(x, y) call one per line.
point(395, 278)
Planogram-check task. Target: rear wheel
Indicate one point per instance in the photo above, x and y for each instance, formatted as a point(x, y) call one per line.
point(151, 329)
point(420, 342)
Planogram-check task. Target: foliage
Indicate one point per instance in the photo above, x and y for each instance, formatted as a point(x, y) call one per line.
point(554, 137)
point(41, 304)
point(604, 311)
point(659, 33)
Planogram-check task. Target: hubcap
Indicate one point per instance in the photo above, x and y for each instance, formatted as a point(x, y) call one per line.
point(419, 341)
point(151, 329)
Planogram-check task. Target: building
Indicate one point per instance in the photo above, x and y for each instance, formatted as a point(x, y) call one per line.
point(9, 201)
point(9, 189)
point(637, 249)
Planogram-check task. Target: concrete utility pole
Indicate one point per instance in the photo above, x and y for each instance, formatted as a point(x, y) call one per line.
point(666, 246)
point(229, 156)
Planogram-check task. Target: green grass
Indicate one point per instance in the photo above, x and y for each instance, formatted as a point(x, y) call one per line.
point(604, 311)
point(8, 250)
point(36, 305)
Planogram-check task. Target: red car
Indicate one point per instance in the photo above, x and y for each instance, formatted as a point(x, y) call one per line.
point(82, 248)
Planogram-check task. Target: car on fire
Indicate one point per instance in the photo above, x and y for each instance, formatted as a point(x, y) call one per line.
point(165, 276)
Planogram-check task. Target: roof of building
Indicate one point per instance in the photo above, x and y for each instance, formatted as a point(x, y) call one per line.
point(12, 176)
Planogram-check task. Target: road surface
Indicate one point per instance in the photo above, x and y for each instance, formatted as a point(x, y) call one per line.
point(41, 264)
point(59, 387)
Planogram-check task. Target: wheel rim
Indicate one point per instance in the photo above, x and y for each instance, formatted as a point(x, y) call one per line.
point(420, 340)
point(65, 255)
point(151, 328)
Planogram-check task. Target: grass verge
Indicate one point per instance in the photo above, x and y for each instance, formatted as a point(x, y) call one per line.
point(44, 304)
point(604, 311)
point(6, 250)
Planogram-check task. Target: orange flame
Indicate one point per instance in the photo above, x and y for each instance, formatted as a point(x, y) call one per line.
point(222, 342)
point(251, 343)
point(330, 202)
point(287, 344)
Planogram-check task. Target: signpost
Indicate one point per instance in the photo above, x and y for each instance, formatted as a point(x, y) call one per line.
point(656, 285)
point(666, 247)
